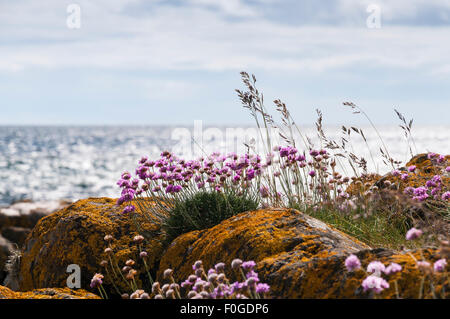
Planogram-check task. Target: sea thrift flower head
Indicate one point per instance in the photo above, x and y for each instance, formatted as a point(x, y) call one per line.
point(262, 288)
point(130, 263)
point(446, 196)
point(412, 168)
point(392, 268)
point(404, 176)
point(439, 266)
point(264, 191)
point(447, 169)
point(352, 263)
point(108, 238)
point(375, 284)
point(128, 209)
point(167, 273)
point(236, 263)
point(413, 233)
point(197, 265)
point(143, 254)
point(312, 173)
point(126, 175)
point(376, 268)
point(220, 267)
point(138, 239)
point(248, 265)
point(96, 281)
point(396, 172)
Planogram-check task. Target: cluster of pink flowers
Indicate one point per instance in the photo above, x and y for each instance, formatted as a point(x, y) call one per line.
point(374, 281)
point(169, 176)
point(214, 283)
point(433, 188)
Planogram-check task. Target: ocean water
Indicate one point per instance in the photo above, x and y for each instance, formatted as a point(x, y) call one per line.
point(49, 163)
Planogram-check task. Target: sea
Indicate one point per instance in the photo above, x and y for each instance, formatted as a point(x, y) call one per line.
point(72, 162)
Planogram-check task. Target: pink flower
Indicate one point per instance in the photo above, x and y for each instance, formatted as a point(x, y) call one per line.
point(376, 268)
point(352, 263)
point(375, 283)
point(413, 233)
point(392, 268)
point(412, 168)
point(439, 266)
point(396, 172)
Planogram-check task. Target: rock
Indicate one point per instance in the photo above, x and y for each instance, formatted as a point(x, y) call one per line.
point(47, 293)
point(26, 213)
point(291, 277)
point(75, 235)
point(5, 248)
point(297, 255)
point(425, 170)
point(270, 236)
point(15, 234)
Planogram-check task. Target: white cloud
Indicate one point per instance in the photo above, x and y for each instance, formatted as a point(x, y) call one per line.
point(197, 38)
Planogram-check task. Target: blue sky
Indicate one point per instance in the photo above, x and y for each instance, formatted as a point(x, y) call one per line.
point(172, 62)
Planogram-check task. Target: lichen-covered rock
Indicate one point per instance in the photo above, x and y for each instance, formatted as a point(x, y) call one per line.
point(47, 293)
point(292, 277)
point(425, 169)
point(5, 249)
point(269, 236)
point(75, 235)
point(15, 234)
point(297, 255)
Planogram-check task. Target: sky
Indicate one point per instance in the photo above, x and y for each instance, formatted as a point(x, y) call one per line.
point(158, 62)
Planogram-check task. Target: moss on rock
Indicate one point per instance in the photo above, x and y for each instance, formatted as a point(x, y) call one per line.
point(265, 236)
point(299, 256)
point(47, 293)
point(75, 235)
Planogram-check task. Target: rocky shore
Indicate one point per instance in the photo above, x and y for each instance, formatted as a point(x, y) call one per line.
point(16, 222)
point(299, 256)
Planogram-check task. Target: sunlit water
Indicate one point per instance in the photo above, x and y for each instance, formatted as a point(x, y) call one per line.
point(45, 163)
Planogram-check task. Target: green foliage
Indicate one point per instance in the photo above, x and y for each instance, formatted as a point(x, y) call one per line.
point(377, 230)
point(204, 210)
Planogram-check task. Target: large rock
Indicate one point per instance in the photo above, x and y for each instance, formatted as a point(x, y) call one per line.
point(47, 293)
point(299, 256)
point(266, 236)
point(75, 235)
point(5, 249)
point(16, 221)
point(27, 213)
point(15, 234)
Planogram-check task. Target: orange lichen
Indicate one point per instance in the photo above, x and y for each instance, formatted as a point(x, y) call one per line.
point(75, 235)
point(47, 293)
point(262, 236)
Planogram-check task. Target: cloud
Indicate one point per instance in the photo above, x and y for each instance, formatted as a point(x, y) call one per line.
point(198, 37)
